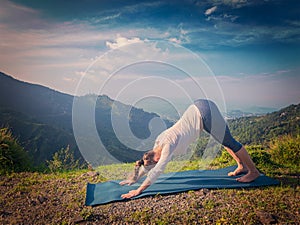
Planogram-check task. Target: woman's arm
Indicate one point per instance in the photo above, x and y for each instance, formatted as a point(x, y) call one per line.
point(153, 174)
point(138, 191)
point(137, 174)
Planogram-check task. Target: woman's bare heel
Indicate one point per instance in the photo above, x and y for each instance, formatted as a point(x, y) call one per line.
point(249, 177)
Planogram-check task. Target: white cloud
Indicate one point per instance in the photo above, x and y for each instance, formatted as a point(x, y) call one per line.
point(175, 40)
point(177, 35)
point(234, 3)
point(106, 18)
point(122, 41)
point(210, 10)
point(232, 18)
point(237, 3)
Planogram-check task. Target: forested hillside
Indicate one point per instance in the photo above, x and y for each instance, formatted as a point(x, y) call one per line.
point(262, 129)
point(41, 119)
point(41, 140)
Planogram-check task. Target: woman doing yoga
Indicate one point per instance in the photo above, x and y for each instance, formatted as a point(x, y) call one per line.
point(203, 114)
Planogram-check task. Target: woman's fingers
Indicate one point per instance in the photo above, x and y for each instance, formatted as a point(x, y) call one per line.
point(122, 182)
point(130, 194)
point(129, 182)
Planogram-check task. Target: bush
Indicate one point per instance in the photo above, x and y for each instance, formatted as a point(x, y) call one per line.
point(13, 158)
point(260, 156)
point(285, 151)
point(63, 160)
point(223, 160)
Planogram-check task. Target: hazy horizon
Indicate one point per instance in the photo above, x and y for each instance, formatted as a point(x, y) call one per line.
point(166, 110)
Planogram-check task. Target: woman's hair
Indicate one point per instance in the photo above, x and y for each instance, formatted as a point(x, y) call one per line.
point(139, 163)
point(137, 166)
point(149, 157)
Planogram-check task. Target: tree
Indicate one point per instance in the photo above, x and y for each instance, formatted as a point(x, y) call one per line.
point(63, 160)
point(13, 158)
point(285, 151)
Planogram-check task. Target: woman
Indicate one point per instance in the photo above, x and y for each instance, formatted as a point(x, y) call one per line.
point(203, 114)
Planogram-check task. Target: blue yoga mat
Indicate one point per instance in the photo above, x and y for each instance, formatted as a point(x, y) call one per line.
point(111, 191)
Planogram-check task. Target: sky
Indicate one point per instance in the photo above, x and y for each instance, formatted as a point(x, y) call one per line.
point(241, 53)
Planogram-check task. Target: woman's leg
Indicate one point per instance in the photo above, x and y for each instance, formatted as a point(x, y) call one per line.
point(245, 165)
point(240, 167)
point(246, 160)
point(215, 125)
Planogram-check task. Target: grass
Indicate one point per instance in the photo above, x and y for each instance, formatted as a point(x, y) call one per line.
point(58, 198)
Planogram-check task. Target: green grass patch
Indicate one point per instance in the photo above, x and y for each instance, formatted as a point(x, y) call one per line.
point(58, 197)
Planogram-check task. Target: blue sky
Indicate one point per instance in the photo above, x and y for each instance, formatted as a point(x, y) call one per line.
point(251, 48)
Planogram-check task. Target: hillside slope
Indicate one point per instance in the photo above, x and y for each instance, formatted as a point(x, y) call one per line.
point(41, 118)
point(262, 129)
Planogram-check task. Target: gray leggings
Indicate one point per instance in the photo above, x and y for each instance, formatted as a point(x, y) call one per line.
point(215, 125)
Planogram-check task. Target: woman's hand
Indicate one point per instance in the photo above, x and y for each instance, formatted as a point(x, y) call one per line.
point(131, 194)
point(129, 182)
point(138, 191)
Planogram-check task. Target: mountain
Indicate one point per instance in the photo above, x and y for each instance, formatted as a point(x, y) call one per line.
point(264, 128)
point(41, 140)
point(41, 119)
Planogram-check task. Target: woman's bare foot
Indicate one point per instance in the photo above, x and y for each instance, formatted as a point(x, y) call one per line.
point(238, 171)
point(249, 177)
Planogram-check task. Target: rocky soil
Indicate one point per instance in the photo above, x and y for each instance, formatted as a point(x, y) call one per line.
point(34, 198)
